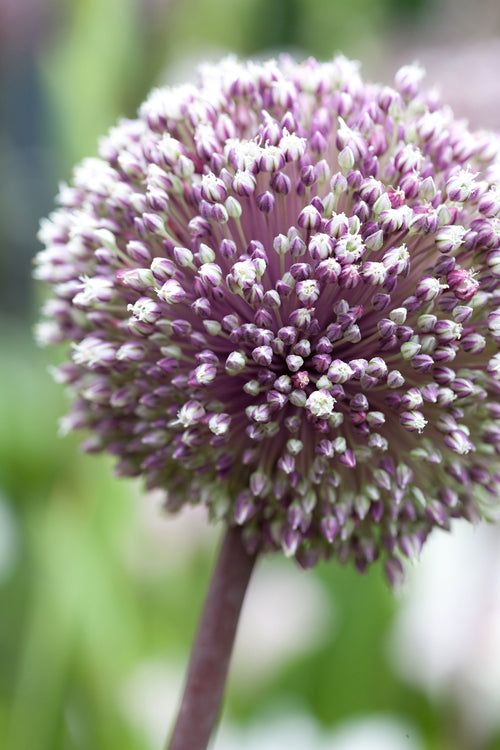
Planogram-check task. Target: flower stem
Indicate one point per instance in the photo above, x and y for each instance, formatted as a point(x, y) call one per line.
point(213, 645)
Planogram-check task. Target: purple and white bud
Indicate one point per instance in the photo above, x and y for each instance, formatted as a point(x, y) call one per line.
point(408, 80)
point(474, 343)
point(307, 291)
point(320, 404)
point(302, 348)
point(489, 203)
point(281, 183)
point(235, 363)
point(329, 528)
point(265, 202)
point(381, 205)
point(346, 160)
point(352, 139)
point(171, 292)
point(448, 330)
point(244, 507)
point(397, 260)
point(412, 399)
point(281, 244)
point(462, 185)
point(219, 424)
point(309, 218)
point(294, 362)
point(49, 333)
point(139, 279)
point(131, 351)
point(190, 414)
point(162, 269)
point(244, 273)
point(244, 183)
point(272, 159)
point(263, 355)
point(428, 288)
point(183, 257)
point(450, 238)
point(145, 309)
point(297, 246)
point(213, 188)
point(97, 290)
point(300, 380)
point(329, 270)
point(339, 225)
point(459, 442)
point(374, 273)
point(463, 284)
point(203, 374)
point(395, 379)
point(233, 208)
point(210, 274)
point(94, 352)
point(293, 146)
point(320, 246)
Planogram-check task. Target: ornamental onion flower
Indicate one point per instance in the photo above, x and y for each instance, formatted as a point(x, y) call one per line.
point(280, 288)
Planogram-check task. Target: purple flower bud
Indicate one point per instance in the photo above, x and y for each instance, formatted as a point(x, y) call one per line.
point(265, 202)
point(473, 343)
point(263, 355)
point(329, 528)
point(463, 284)
point(309, 218)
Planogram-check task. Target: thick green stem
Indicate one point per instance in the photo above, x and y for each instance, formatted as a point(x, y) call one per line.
point(211, 652)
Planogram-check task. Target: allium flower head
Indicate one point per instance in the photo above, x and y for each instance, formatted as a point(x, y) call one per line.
point(281, 289)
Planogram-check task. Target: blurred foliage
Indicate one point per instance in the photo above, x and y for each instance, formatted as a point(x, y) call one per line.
point(109, 53)
point(90, 72)
point(77, 619)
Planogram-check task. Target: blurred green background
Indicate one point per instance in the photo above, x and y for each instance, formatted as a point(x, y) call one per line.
point(99, 593)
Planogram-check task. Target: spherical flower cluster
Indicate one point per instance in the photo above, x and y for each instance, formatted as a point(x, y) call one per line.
point(281, 288)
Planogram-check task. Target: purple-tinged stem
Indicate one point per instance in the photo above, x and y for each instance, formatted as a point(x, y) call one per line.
point(211, 652)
